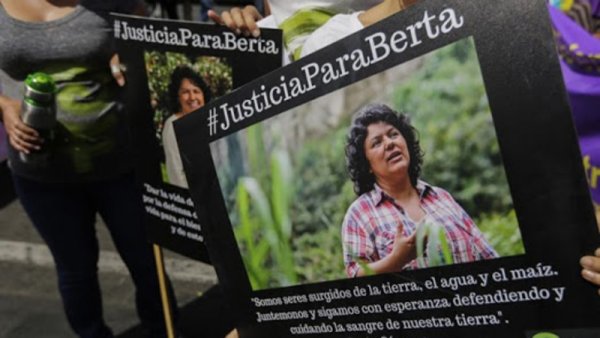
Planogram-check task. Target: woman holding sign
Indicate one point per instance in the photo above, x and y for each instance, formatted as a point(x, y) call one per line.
point(79, 164)
point(379, 230)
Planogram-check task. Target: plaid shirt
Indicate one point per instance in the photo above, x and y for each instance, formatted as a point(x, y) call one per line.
point(370, 223)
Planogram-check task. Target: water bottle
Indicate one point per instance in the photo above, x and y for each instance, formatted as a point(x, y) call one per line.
point(38, 110)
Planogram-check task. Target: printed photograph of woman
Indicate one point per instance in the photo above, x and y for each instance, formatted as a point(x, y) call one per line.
point(379, 230)
point(187, 92)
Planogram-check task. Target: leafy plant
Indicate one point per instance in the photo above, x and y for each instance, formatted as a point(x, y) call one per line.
point(323, 187)
point(501, 231)
point(318, 255)
point(447, 103)
point(432, 245)
point(264, 230)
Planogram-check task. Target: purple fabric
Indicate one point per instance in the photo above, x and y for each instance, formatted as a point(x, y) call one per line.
point(584, 96)
point(583, 88)
point(577, 47)
point(595, 4)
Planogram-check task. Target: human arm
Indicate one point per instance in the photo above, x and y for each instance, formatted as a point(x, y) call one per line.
point(591, 268)
point(403, 251)
point(362, 254)
point(22, 137)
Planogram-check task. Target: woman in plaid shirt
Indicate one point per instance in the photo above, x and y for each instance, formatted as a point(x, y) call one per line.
point(384, 161)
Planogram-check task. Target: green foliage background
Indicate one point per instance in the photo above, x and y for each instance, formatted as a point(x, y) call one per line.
point(447, 103)
point(215, 71)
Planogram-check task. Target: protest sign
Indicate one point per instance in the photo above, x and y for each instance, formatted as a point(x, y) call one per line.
point(172, 68)
point(501, 175)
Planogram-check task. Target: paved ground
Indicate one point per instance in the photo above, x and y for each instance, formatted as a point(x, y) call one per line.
point(29, 302)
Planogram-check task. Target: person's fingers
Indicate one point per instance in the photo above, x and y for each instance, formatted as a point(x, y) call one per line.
point(228, 21)
point(591, 276)
point(23, 146)
point(23, 141)
point(238, 19)
point(590, 263)
point(241, 21)
point(409, 240)
point(24, 131)
point(412, 239)
point(251, 15)
point(22, 137)
point(118, 75)
point(400, 230)
point(14, 142)
point(215, 17)
point(27, 137)
point(591, 268)
point(117, 70)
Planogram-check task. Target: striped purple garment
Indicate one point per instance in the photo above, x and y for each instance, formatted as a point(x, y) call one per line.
point(580, 63)
point(370, 226)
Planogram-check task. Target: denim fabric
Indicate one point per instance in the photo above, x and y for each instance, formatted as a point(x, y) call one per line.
point(65, 216)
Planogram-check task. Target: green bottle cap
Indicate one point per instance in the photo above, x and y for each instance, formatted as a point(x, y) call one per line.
point(545, 335)
point(40, 82)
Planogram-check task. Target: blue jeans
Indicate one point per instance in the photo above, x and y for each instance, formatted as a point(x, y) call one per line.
point(205, 5)
point(65, 217)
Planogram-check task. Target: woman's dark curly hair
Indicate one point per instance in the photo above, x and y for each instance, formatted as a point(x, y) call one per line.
point(180, 73)
point(356, 160)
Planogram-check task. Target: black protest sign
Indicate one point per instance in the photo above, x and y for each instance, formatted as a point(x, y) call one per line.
point(503, 212)
point(172, 69)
